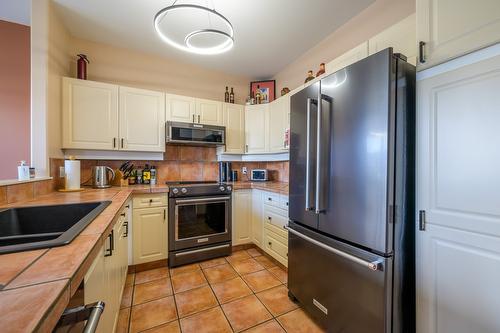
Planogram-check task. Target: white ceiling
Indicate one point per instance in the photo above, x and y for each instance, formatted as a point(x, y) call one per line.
point(17, 11)
point(269, 34)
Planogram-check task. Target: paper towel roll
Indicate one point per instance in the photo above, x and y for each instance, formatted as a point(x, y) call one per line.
point(72, 174)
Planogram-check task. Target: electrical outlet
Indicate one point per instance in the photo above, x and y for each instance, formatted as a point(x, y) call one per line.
point(61, 172)
point(244, 170)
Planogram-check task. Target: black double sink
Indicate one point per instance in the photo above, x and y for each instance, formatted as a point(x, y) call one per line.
point(37, 227)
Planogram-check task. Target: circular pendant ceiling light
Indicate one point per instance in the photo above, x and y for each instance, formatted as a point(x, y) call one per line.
point(195, 29)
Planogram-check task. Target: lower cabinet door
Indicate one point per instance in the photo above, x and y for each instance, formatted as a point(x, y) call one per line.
point(256, 218)
point(242, 203)
point(150, 234)
point(96, 289)
point(276, 246)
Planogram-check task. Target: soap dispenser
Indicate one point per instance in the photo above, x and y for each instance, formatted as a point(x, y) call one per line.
point(23, 171)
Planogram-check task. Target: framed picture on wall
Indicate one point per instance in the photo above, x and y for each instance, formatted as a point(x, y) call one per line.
point(266, 88)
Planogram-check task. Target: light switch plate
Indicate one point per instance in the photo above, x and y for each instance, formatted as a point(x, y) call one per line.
point(244, 170)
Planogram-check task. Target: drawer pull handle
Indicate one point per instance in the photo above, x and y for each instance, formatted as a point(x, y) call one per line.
point(122, 214)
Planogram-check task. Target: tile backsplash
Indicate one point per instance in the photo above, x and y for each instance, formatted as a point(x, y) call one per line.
point(180, 163)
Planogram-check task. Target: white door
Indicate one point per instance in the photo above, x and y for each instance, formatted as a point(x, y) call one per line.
point(150, 234)
point(241, 208)
point(90, 115)
point(180, 108)
point(278, 118)
point(350, 57)
point(458, 254)
point(453, 28)
point(257, 218)
point(142, 120)
point(402, 37)
point(234, 120)
point(256, 128)
point(209, 112)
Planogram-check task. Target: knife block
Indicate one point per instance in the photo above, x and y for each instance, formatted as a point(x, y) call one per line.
point(119, 179)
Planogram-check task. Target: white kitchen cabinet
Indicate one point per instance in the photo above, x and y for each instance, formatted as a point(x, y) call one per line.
point(257, 218)
point(275, 218)
point(209, 112)
point(350, 57)
point(241, 211)
point(402, 37)
point(180, 108)
point(453, 28)
point(458, 253)
point(150, 234)
point(142, 120)
point(105, 279)
point(103, 116)
point(257, 128)
point(90, 115)
point(279, 121)
point(234, 120)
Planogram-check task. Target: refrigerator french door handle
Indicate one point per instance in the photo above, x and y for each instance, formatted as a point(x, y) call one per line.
point(318, 155)
point(310, 101)
point(376, 265)
point(321, 97)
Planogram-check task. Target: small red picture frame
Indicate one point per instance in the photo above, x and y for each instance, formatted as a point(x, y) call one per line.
point(267, 88)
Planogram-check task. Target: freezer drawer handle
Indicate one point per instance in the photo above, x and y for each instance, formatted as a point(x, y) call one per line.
point(373, 265)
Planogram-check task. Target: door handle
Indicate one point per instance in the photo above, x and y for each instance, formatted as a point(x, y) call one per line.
point(114, 142)
point(310, 101)
point(198, 119)
point(421, 52)
point(126, 228)
point(376, 265)
point(122, 142)
point(111, 244)
point(318, 153)
point(193, 118)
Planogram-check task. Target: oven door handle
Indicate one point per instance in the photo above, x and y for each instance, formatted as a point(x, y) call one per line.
point(183, 201)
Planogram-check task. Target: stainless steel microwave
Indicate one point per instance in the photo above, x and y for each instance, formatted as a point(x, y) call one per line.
point(195, 134)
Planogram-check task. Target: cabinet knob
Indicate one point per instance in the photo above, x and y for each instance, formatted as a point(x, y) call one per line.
point(150, 201)
point(269, 218)
point(270, 199)
point(270, 243)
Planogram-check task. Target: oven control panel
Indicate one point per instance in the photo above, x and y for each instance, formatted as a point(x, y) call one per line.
point(191, 191)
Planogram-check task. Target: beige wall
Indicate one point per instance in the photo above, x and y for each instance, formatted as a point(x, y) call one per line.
point(58, 65)
point(137, 69)
point(374, 19)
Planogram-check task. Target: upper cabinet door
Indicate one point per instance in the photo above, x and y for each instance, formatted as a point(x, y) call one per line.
point(142, 120)
point(208, 112)
point(90, 115)
point(402, 37)
point(279, 111)
point(453, 28)
point(257, 128)
point(234, 120)
point(180, 108)
point(350, 57)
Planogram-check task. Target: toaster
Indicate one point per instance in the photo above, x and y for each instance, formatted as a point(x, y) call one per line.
point(259, 175)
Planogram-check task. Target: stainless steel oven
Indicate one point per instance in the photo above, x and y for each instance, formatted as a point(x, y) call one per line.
point(199, 222)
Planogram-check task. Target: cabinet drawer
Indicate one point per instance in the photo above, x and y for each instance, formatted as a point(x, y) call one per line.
point(284, 202)
point(272, 199)
point(275, 220)
point(275, 247)
point(150, 200)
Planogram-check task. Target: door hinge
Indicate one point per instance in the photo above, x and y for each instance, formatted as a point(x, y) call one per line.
point(421, 220)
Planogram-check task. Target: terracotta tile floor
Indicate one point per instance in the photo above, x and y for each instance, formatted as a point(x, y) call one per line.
point(245, 292)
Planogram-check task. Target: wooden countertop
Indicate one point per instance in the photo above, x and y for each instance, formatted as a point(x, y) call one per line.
point(36, 286)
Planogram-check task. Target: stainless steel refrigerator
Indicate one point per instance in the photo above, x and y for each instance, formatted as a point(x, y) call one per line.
point(351, 230)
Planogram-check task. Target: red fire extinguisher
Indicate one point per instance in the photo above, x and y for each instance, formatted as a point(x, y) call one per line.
point(82, 66)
